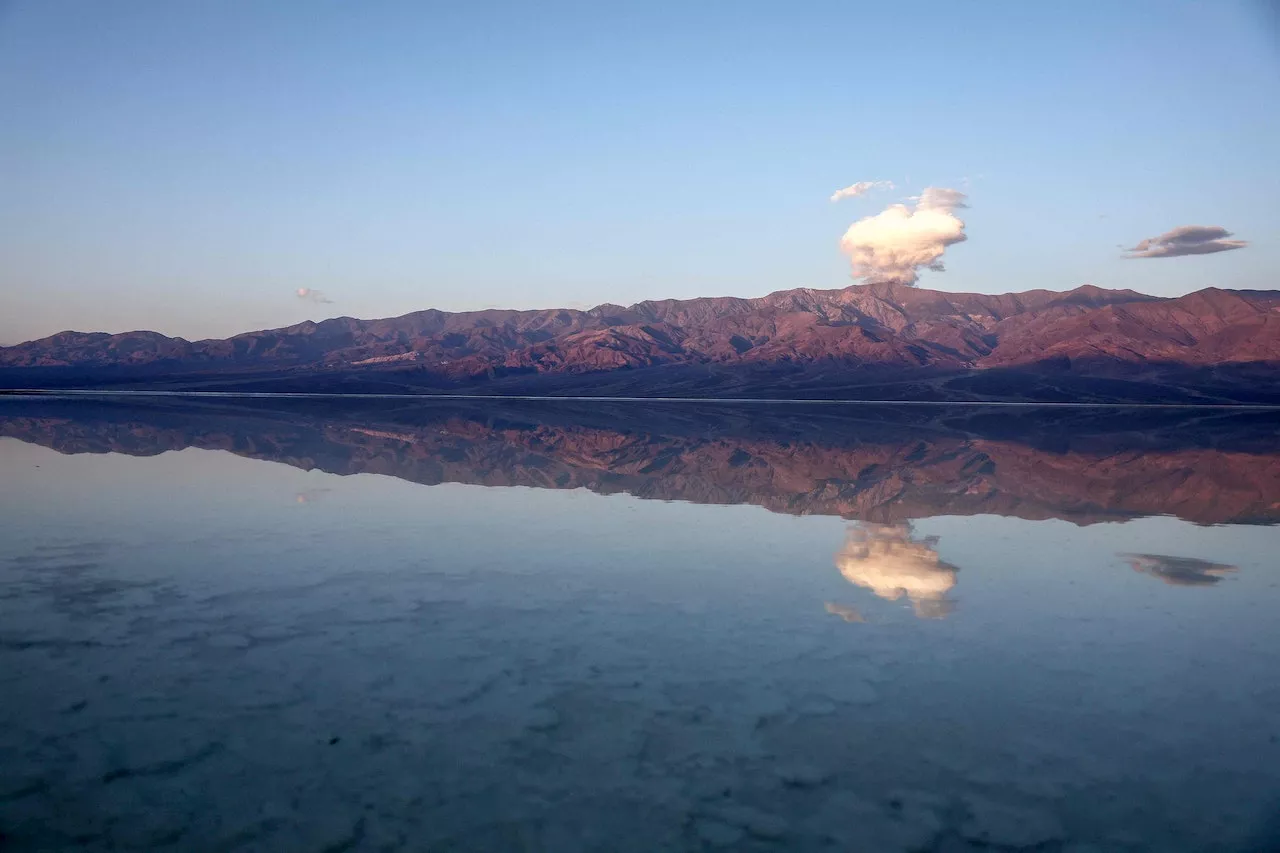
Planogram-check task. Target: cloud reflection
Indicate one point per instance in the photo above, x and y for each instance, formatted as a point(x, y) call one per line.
point(889, 561)
point(1179, 571)
point(845, 612)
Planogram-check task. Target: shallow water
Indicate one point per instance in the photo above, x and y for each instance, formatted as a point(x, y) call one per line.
point(497, 627)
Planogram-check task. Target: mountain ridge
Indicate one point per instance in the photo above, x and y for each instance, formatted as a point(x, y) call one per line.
point(861, 332)
point(651, 309)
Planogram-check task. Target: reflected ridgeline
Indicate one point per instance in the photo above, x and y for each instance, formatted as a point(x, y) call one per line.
point(884, 465)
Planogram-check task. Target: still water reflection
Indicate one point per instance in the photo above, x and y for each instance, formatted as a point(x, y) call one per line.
point(560, 627)
point(885, 559)
point(1180, 571)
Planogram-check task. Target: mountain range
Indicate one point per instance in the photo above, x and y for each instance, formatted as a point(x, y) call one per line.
point(874, 341)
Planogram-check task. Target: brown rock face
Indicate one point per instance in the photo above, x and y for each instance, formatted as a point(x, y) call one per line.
point(1212, 345)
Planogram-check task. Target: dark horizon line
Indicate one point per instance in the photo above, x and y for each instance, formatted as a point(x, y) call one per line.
point(303, 395)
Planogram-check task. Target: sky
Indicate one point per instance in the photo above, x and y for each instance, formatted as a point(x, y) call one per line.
point(192, 167)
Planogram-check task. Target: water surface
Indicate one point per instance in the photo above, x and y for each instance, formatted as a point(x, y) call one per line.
point(312, 625)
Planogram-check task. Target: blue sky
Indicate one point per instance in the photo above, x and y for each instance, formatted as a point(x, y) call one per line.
point(186, 166)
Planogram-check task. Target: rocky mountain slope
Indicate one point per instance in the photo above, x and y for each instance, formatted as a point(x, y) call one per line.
point(1211, 345)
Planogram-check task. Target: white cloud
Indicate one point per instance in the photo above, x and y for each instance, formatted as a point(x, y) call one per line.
point(861, 188)
point(895, 243)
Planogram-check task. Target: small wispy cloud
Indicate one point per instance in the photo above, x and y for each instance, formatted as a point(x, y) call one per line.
point(307, 496)
point(860, 188)
point(312, 295)
point(1186, 240)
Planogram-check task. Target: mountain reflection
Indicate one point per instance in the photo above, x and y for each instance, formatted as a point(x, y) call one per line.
point(1179, 571)
point(884, 465)
point(889, 561)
